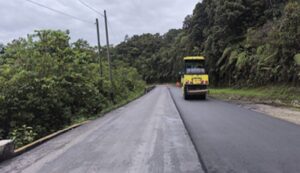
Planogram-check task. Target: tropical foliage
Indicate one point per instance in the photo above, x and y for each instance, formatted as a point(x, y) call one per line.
point(246, 42)
point(46, 83)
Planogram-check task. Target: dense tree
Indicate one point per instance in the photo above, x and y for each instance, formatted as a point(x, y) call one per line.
point(46, 82)
point(1, 48)
point(246, 42)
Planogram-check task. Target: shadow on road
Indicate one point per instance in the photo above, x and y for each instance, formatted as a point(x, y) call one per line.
point(196, 99)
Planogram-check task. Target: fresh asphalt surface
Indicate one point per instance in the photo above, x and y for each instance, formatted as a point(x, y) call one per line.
point(148, 135)
point(232, 139)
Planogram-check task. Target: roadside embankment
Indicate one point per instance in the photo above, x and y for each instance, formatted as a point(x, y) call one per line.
point(277, 101)
point(272, 95)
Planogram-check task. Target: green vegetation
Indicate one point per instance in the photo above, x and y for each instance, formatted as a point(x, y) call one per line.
point(156, 57)
point(283, 94)
point(47, 83)
point(246, 42)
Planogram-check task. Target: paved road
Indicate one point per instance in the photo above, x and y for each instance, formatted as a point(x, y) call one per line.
point(232, 139)
point(145, 136)
point(148, 135)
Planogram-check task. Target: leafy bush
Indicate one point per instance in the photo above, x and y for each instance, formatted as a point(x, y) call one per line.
point(22, 135)
point(48, 83)
point(297, 58)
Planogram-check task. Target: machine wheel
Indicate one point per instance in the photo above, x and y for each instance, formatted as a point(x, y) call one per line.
point(203, 97)
point(185, 94)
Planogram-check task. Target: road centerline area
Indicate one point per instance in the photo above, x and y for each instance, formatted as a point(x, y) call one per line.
point(198, 153)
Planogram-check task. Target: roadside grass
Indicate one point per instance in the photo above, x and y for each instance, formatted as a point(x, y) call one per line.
point(279, 95)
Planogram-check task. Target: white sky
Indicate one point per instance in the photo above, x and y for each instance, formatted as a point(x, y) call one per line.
point(19, 17)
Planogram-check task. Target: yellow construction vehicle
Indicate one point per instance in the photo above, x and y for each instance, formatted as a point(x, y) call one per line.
point(194, 79)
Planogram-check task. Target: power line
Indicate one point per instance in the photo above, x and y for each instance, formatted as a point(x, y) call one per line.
point(60, 12)
point(91, 8)
point(94, 10)
point(107, 47)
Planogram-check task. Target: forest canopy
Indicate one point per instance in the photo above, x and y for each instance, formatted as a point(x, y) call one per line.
point(246, 43)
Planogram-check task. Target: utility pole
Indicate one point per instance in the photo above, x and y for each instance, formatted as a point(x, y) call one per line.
point(109, 60)
point(99, 48)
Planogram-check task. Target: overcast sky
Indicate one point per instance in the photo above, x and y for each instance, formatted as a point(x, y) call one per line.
point(19, 17)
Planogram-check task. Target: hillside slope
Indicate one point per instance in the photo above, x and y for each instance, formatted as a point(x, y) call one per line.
point(246, 42)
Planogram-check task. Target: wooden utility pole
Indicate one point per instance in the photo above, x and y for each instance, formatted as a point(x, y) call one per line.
point(109, 60)
point(99, 48)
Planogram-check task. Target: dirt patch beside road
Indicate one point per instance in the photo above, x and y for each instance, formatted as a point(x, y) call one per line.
point(290, 114)
point(285, 113)
point(277, 101)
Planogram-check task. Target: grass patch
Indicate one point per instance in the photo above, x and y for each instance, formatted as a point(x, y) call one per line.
point(268, 94)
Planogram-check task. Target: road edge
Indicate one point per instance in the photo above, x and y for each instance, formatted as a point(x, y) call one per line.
point(40, 141)
point(256, 100)
point(250, 105)
point(203, 166)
